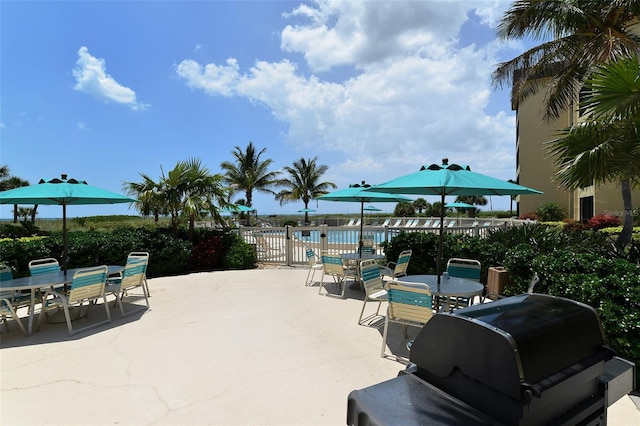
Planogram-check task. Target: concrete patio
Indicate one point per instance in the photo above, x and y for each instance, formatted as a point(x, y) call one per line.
point(252, 347)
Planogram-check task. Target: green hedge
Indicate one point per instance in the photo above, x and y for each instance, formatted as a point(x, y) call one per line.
point(169, 255)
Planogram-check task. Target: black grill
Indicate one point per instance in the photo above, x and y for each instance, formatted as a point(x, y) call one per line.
point(525, 360)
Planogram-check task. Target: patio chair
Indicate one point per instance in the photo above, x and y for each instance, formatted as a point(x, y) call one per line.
point(427, 223)
point(368, 245)
point(463, 268)
point(373, 287)
point(409, 304)
point(132, 277)
point(351, 222)
point(9, 303)
point(386, 222)
point(315, 264)
point(436, 224)
point(43, 266)
point(333, 266)
point(142, 254)
point(399, 268)
point(87, 286)
point(451, 223)
point(397, 223)
point(263, 246)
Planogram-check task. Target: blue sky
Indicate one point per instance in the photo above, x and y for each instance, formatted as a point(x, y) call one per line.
point(104, 91)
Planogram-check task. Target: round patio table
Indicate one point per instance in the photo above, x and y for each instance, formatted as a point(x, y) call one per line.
point(448, 287)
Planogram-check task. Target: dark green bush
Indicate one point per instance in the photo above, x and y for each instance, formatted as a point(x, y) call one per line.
point(550, 212)
point(238, 254)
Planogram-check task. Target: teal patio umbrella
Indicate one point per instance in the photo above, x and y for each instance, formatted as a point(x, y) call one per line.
point(449, 179)
point(63, 192)
point(358, 193)
point(306, 212)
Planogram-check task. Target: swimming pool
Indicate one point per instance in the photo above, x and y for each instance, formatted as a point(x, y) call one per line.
point(341, 236)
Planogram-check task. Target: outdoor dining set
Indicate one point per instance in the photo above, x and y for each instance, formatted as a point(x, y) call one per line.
point(411, 299)
point(71, 293)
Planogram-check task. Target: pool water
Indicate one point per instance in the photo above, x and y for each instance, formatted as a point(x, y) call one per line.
point(339, 237)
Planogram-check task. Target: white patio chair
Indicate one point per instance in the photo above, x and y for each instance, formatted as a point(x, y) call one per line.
point(43, 266)
point(373, 287)
point(9, 303)
point(87, 286)
point(398, 268)
point(142, 254)
point(263, 246)
point(409, 304)
point(315, 264)
point(463, 268)
point(133, 277)
point(333, 266)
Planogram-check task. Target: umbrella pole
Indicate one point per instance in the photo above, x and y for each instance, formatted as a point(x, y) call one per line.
point(439, 259)
point(64, 238)
point(360, 243)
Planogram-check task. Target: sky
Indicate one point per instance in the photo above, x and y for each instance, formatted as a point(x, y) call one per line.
point(106, 90)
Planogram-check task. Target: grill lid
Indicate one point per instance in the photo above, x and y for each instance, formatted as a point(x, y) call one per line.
point(510, 343)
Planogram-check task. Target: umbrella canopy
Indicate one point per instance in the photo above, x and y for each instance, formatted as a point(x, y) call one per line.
point(358, 193)
point(449, 179)
point(459, 206)
point(371, 209)
point(237, 208)
point(307, 210)
point(63, 192)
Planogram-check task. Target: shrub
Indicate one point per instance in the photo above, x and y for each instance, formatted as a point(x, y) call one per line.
point(207, 254)
point(603, 221)
point(238, 254)
point(550, 212)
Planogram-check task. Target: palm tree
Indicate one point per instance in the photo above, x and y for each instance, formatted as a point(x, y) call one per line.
point(249, 172)
point(10, 182)
point(148, 195)
point(188, 189)
point(303, 183)
point(605, 147)
point(420, 204)
point(583, 34)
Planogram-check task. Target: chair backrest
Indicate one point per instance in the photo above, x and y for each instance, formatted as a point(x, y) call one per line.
point(311, 255)
point(426, 223)
point(409, 302)
point(367, 245)
point(88, 283)
point(134, 271)
point(371, 278)
point(398, 222)
point(350, 223)
point(402, 264)
point(44, 266)
point(6, 275)
point(332, 264)
point(261, 241)
point(464, 268)
point(436, 224)
point(386, 222)
point(451, 224)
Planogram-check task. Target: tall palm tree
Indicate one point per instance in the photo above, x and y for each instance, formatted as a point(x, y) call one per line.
point(303, 183)
point(606, 146)
point(576, 35)
point(249, 172)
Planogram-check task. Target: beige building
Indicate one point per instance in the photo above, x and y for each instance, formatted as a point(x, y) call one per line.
point(535, 169)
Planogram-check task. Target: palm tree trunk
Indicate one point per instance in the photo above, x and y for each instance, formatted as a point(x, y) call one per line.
point(627, 229)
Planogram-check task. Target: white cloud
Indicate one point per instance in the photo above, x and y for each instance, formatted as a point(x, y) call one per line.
point(416, 95)
point(83, 127)
point(92, 78)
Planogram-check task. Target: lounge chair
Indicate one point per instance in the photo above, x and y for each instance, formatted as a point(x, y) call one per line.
point(436, 224)
point(333, 266)
point(132, 277)
point(10, 301)
point(351, 222)
point(409, 304)
point(373, 287)
point(451, 224)
point(386, 222)
point(426, 223)
point(397, 224)
point(88, 286)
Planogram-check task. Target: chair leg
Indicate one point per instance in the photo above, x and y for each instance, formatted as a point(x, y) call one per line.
point(384, 337)
point(362, 311)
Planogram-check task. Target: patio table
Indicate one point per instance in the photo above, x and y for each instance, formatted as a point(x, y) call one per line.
point(449, 286)
point(357, 258)
point(42, 281)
